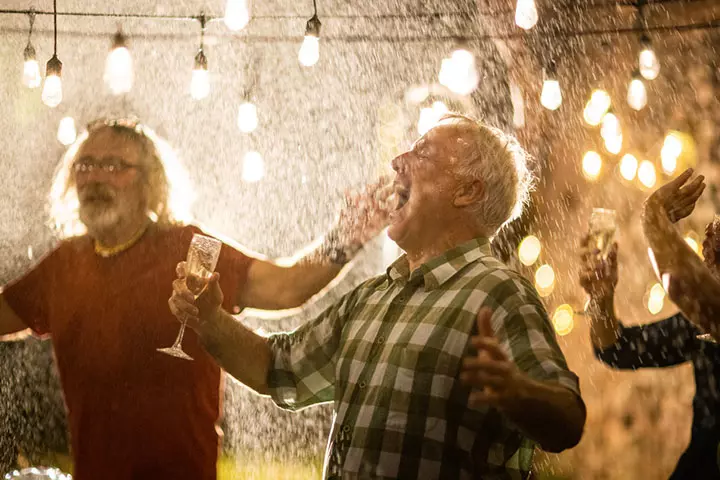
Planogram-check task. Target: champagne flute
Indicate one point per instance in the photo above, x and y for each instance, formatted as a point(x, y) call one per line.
point(202, 258)
point(706, 337)
point(602, 228)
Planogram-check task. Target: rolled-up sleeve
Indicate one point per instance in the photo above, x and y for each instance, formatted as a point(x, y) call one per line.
point(302, 371)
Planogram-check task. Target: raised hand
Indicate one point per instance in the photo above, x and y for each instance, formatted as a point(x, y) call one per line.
point(676, 198)
point(366, 213)
point(187, 308)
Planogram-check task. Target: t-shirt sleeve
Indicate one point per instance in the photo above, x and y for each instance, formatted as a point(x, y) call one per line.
point(29, 297)
point(233, 266)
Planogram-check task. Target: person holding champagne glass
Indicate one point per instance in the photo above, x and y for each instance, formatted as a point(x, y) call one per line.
point(674, 340)
point(101, 296)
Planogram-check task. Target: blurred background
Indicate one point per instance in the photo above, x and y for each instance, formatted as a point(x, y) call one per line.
point(280, 130)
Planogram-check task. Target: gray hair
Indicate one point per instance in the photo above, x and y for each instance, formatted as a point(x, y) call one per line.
point(498, 160)
point(167, 186)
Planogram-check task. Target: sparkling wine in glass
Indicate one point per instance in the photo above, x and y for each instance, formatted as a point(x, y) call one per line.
point(602, 230)
point(201, 260)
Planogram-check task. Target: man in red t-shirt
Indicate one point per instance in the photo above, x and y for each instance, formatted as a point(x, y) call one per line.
point(135, 413)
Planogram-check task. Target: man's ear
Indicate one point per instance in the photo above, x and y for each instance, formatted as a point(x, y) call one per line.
point(468, 193)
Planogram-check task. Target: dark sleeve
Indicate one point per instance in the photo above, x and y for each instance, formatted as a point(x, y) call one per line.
point(660, 344)
point(29, 295)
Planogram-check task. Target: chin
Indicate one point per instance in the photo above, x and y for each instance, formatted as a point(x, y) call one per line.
point(99, 219)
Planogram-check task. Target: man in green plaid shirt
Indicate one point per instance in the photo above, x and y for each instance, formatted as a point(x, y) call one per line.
point(444, 367)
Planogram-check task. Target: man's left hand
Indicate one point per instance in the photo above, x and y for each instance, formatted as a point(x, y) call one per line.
point(494, 378)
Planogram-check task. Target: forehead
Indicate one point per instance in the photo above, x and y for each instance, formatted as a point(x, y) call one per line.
point(107, 143)
point(445, 137)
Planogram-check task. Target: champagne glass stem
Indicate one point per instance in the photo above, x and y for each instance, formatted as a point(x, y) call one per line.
point(181, 333)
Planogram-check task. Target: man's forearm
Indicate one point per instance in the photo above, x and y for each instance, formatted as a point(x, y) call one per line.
point(309, 277)
point(604, 326)
point(551, 415)
point(238, 350)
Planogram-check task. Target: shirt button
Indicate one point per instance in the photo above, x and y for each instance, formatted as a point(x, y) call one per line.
point(381, 340)
point(346, 428)
point(362, 385)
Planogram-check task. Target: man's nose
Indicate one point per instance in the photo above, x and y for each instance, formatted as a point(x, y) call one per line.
point(399, 163)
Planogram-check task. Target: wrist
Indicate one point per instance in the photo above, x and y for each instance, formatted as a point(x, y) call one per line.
point(338, 249)
point(600, 304)
point(515, 401)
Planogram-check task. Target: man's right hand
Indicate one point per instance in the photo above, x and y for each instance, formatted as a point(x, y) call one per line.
point(598, 276)
point(184, 305)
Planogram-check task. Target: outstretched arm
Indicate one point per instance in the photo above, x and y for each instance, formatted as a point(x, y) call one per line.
point(11, 326)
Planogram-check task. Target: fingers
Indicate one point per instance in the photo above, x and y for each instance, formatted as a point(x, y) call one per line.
point(484, 323)
point(475, 364)
point(490, 345)
point(181, 269)
point(680, 180)
point(180, 289)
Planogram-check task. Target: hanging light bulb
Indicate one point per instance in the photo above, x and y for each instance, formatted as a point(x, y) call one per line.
point(551, 96)
point(310, 50)
point(529, 250)
point(237, 14)
point(646, 174)
point(459, 73)
point(672, 148)
point(200, 83)
point(596, 107)
point(67, 134)
point(526, 14)
point(119, 66)
point(253, 167)
point(648, 62)
point(247, 117)
point(545, 280)
point(592, 165)
point(611, 133)
point(31, 68)
point(628, 166)
point(637, 93)
point(52, 89)
point(563, 320)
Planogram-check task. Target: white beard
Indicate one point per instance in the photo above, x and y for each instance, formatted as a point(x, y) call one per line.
point(99, 218)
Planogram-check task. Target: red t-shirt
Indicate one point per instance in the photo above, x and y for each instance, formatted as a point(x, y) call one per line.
point(134, 413)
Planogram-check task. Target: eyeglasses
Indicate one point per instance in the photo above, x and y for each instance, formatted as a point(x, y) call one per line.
point(112, 168)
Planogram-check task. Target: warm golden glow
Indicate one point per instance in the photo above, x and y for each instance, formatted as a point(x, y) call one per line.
point(592, 165)
point(563, 320)
point(529, 250)
point(596, 107)
point(628, 166)
point(545, 277)
point(646, 174)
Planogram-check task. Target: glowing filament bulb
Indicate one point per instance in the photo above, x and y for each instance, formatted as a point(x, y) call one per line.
point(430, 116)
point(637, 93)
point(458, 73)
point(526, 14)
point(200, 82)
point(545, 279)
point(253, 167)
point(237, 14)
point(529, 250)
point(31, 69)
point(563, 320)
point(591, 165)
point(67, 134)
point(628, 166)
point(596, 107)
point(551, 96)
point(119, 66)
point(309, 53)
point(649, 64)
point(52, 89)
point(646, 174)
point(247, 117)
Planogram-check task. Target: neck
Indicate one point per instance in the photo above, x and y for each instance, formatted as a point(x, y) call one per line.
point(439, 244)
point(124, 233)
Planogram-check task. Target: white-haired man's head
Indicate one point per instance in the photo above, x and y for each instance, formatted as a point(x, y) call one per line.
point(461, 175)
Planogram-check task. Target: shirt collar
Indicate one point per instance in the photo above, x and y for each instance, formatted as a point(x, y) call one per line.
point(435, 272)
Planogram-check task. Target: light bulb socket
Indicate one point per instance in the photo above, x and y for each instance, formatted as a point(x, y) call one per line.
point(29, 53)
point(53, 67)
point(201, 62)
point(645, 41)
point(119, 40)
point(636, 75)
point(550, 71)
point(312, 29)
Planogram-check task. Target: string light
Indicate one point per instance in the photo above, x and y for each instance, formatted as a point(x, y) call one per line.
point(646, 174)
point(526, 14)
point(309, 52)
point(545, 280)
point(237, 14)
point(628, 166)
point(637, 93)
point(563, 319)
point(551, 96)
point(31, 69)
point(459, 73)
point(67, 133)
point(247, 117)
point(656, 299)
point(52, 89)
point(119, 66)
point(648, 62)
point(253, 167)
point(671, 150)
point(529, 250)
point(596, 107)
point(611, 133)
point(592, 165)
point(200, 82)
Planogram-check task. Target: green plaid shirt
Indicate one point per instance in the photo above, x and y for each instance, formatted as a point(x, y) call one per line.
point(388, 355)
